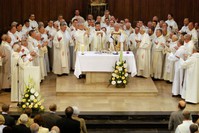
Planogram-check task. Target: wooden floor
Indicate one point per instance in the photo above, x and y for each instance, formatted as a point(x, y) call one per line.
point(162, 101)
point(71, 86)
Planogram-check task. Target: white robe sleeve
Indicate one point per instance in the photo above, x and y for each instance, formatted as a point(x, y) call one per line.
point(56, 43)
point(187, 63)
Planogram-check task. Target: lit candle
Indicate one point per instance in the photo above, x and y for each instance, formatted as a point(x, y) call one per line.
point(82, 48)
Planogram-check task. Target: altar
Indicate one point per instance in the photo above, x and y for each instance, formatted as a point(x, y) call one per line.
point(98, 66)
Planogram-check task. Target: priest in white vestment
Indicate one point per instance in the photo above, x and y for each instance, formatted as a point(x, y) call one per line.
point(192, 71)
point(45, 40)
point(193, 32)
point(78, 17)
point(26, 28)
point(82, 39)
point(33, 23)
point(12, 35)
point(17, 81)
point(6, 51)
point(168, 64)
point(62, 40)
point(33, 47)
point(117, 39)
point(19, 34)
point(172, 23)
point(133, 39)
point(157, 55)
point(179, 72)
point(42, 47)
point(143, 55)
point(98, 39)
point(185, 26)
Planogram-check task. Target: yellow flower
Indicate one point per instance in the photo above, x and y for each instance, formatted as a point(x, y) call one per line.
point(24, 100)
point(30, 106)
point(117, 77)
point(36, 106)
point(125, 70)
point(39, 103)
point(124, 81)
point(24, 106)
point(116, 71)
point(26, 95)
point(42, 107)
point(123, 77)
point(113, 78)
point(117, 67)
point(35, 100)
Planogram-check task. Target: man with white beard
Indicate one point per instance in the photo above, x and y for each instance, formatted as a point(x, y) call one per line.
point(178, 72)
point(33, 23)
point(143, 55)
point(17, 66)
point(98, 38)
point(171, 23)
point(61, 42)
point(117, 39)
point(191, 80)
point(168, 74)
point(157, 55)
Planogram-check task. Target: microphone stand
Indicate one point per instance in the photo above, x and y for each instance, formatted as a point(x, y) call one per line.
point(17, 65)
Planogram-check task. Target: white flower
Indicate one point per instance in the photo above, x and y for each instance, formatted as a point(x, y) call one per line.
point(36, 94)
point(120, 68)
point(119, 81)
point(118, 63)
point(32, 91)
point(27, 104)
point(126, 75)
point(125, 65)
point(113, 82)
point(113, 74)
point(32, 97)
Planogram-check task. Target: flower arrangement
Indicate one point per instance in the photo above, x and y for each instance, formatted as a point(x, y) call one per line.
point(31, 98)
point(119, 76)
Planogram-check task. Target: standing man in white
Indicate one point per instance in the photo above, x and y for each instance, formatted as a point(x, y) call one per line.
point(61, 63)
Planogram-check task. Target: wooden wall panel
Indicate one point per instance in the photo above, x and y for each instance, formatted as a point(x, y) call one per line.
point(19, 10)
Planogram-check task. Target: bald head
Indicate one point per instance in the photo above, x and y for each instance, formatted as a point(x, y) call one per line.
point(187, 38)
point(4, 37)
point(174, 38)
point(186, 115)
point(181, 105)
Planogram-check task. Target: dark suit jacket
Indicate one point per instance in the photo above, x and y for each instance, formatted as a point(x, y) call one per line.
point(68, 125)
point(175, 119)
point(21, 128)
point(9, 120)
point(50, 119)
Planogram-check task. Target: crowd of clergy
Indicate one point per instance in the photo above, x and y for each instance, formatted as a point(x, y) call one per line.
point(161, 49)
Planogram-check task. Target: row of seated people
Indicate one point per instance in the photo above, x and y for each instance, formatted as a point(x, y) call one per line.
point(180, 121)
point(48, 122)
